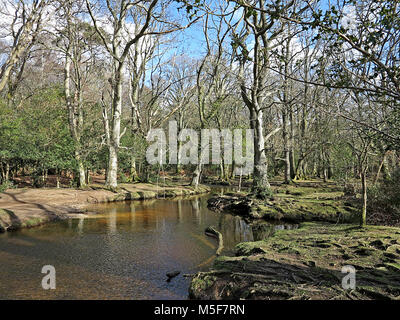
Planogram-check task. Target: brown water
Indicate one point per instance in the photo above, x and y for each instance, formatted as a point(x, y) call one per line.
point(123, 252)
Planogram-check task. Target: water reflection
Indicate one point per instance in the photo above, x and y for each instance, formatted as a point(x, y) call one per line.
point(156, 215)
point(122, 252)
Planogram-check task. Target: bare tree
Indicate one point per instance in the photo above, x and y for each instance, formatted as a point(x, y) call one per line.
point(77, 41)
point(212, 78)
point(118, 43)
point(22, 22)
point(263, 29)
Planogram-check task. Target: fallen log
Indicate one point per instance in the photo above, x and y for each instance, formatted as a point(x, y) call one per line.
point(212, 232)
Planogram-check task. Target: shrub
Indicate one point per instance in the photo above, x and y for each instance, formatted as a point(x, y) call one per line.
point(6, 185)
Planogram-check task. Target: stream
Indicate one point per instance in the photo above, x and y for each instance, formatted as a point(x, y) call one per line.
point(123, 252)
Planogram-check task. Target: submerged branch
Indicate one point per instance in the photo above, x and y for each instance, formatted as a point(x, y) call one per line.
point(212, 232)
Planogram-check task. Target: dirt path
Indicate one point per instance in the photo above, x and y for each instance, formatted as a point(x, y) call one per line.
point(29, 207)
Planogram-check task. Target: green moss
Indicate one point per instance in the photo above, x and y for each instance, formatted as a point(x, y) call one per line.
point(9, 222)
point(308, 204)
point(5, 212)
point(250, 248)
point(393, 266)
point(32, 222)
point(305, 201)
point(202, 283)
point(134, 196)
point(312, 255)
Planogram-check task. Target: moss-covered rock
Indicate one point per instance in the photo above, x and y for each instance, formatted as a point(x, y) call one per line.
point(250, 248)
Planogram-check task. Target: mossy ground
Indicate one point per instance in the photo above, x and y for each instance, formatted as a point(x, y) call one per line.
point(303, 201)
point(306, 263)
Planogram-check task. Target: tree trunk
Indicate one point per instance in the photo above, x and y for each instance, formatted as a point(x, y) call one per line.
point(115, 134)
point(379, 169)
point(286, 156)
point(87, 176)
point(178, 165)
point(74, 104)
point(196, 176)
point(221, 171)
point(82, 174)
point(232, 173)
point(7, 172)
point(133, 171)
point(112, 170)
point(260, 181)
point(363, 220)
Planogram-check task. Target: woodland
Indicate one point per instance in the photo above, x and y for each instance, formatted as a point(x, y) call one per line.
point(82, 83)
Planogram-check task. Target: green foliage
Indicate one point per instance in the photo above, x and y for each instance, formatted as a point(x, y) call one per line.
point(37, 133)
point(6, 185)
point(385, 197)
point(342, 159)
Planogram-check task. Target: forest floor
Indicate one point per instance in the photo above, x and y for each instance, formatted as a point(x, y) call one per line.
point(29, 207)
point(302, 201)
point(304, 263)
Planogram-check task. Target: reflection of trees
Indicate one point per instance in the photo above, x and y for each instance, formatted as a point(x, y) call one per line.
point(263, 231)
point(179, 210)
point(234, 230)
point(132, 216)
point(196, 209)
point(80, 225)
point(145, 221)
point(112, 220)
point(148, 203)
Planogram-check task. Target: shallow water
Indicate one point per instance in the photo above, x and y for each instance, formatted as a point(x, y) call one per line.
point(123, 252)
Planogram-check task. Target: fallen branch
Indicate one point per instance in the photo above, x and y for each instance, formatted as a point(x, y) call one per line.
point(212, 232)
